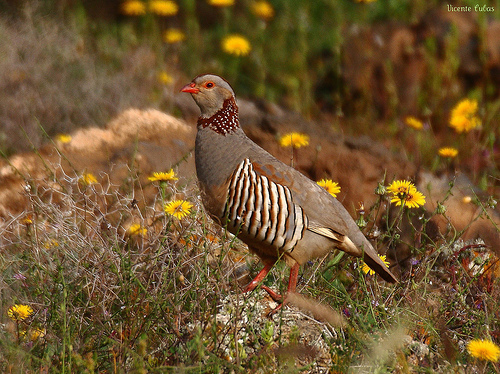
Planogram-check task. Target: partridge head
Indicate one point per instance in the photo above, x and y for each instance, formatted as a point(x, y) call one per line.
point(277, 211)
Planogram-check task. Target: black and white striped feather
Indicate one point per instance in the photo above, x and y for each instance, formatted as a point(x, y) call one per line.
point(263, 209)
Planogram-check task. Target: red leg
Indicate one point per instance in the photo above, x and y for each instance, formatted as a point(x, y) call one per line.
point(262, 274)
point(292, 281)
point(275, 296)
point(292, 285)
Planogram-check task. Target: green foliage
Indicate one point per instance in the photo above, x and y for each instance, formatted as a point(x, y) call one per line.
point(165, 299)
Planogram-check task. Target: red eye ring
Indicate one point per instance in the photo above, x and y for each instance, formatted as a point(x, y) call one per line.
point(209, 84)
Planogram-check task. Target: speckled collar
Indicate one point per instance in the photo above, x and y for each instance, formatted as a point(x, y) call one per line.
point(225, 121)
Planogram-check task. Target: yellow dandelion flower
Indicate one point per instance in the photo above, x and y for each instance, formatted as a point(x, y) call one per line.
point(448, 152)
point(172, 36)
point(163, 7)
point(137, 229)
point(37, 333)
point(463, 116)
point(400, 187)
point(368, 270)
point(263, 9)
point(19, 312)
point(414, 123)
point(332, 187)
point(294, 139)
point(465, 107)
point(404, 192)
point(236, 45)
point(163, 177)
point(63, 138)
point(484, 350)
point(221, 3)
point(178, 208)
point(88, 179)
point(413, 199)
point(165, 78)
point(133, 8)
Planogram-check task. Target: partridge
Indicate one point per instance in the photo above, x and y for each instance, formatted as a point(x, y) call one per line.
point(277, 211)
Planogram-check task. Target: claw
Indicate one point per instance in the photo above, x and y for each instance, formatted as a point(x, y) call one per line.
point(292, 285)
point(275, 296)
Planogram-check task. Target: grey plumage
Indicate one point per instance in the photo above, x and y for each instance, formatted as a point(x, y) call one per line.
point(272, 207)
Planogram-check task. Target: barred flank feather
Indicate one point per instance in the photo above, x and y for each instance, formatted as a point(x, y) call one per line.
point(263, 209)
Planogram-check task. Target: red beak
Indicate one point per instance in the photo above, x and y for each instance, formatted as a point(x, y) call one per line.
point(190, 88)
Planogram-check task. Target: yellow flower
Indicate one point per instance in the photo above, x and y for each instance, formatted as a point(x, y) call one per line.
point(413, 199)
point(332, 187)
point(294, 139)
point(236, 45)
point(165, 78)
point(368, 270)
point(163, 7)
point(404, 192)
point(63, 138)
point(172, 36)
point(163, 177)
point(263, 9)
point(221, 3)
point(133, 8)
point(28, 220)
point(37, 333)
point(178, 208)
point(466, 199)
point(400, 187)
point(51, 243)
point(414, 123)
point(137, 229)
point(88, 179)
point(463, 116)
point(448, 152)
point(484, 350)
point(19, 312)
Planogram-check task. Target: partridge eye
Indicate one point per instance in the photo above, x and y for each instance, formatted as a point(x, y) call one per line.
point(209, 85)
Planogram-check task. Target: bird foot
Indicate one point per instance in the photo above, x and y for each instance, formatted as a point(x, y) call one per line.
point(275, 296)
point(281, 300)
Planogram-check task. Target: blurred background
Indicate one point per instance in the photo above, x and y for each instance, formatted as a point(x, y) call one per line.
point(392, 70)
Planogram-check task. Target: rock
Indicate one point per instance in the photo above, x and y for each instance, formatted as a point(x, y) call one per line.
point(149, 139)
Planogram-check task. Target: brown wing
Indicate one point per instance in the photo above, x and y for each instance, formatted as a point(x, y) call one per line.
point(322, 209)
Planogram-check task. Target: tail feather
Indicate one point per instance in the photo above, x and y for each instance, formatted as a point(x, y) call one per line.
point(380, 268)
point(372, 259)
